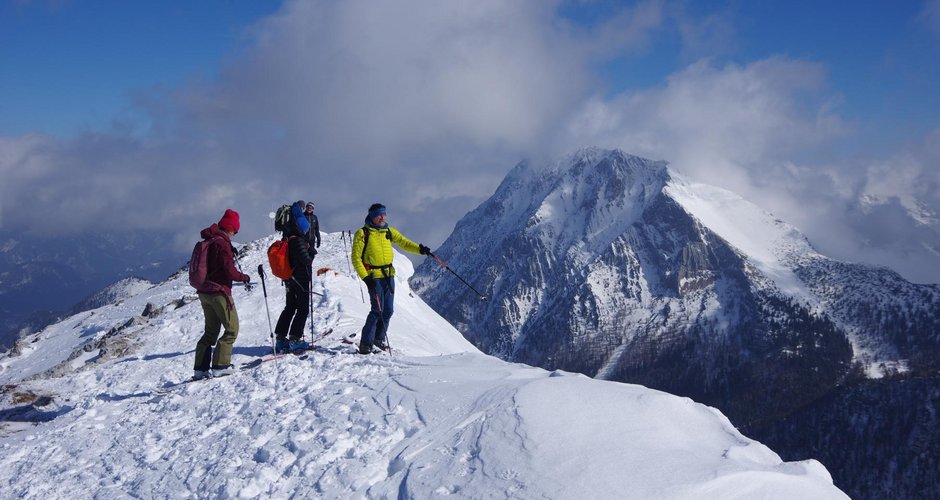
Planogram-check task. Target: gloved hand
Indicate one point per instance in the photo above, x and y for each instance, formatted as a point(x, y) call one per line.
point(424, 250)
point(370, 283)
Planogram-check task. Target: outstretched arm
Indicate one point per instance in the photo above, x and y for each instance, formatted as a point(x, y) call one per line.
point(404, 243)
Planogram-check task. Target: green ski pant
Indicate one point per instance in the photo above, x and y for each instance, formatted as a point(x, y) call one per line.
point(220, 312)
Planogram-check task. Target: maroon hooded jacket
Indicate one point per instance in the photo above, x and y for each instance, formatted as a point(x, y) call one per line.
point(220, 259)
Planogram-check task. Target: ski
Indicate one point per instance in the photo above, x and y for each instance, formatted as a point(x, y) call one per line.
point(300, 354)
point(375, 350)
point(166, 389)
point(350, 349)
point(332, 351)
point(322, 335)
point(348, 340)
point(340, 349)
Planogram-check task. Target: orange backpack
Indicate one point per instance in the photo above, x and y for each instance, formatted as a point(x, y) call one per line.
point(279, 259)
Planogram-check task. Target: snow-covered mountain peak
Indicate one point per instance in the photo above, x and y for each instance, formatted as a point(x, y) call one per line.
point(612, 265)
point(577, 204)
point(90, 407)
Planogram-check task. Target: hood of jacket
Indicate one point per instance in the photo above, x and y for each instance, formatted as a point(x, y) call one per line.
point(213, 231)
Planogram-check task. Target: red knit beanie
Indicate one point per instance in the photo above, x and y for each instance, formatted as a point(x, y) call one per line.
point(229, 221)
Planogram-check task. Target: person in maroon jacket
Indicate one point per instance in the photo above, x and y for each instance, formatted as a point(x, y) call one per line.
point(218, 307)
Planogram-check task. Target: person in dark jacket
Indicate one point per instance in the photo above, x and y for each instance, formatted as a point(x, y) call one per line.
point(313, 235)
point(290, 325)
point(218, 307)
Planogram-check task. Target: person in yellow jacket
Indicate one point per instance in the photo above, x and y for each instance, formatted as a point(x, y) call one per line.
point(372, 258)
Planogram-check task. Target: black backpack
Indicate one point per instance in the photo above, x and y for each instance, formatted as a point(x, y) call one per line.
point(282, 218)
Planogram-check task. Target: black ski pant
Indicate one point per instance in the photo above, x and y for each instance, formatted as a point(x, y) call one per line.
point(294, 316)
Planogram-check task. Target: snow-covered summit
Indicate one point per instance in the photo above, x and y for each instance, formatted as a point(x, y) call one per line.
point(83, 415)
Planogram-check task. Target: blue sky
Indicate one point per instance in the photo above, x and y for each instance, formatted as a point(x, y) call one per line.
point(828, 113)
point(74, 65)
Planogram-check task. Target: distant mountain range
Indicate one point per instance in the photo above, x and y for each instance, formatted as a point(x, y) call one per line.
point(43, 278)
point(616, 267)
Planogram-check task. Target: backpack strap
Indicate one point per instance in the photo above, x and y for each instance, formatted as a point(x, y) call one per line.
point(365, 244)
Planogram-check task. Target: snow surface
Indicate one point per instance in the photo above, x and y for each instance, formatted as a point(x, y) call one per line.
point(436, 418)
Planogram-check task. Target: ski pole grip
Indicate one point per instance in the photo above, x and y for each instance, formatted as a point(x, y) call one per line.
point(261, 273)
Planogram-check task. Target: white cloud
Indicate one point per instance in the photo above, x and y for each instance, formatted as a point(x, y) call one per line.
point(731, 118)
point(383, 78)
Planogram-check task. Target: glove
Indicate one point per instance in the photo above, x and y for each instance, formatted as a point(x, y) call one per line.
point(424, 250)
point(370, 283)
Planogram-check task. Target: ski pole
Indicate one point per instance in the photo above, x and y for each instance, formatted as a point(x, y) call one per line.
point(270, 329)
point(348, 258)
point(445, 266)
point(310, 300)
point(246, 284)
point(305, 288)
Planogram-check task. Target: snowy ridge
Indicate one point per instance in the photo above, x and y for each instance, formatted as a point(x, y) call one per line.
point(783, 255)
point(769, 243)
point(82, 414)
point(117, 291)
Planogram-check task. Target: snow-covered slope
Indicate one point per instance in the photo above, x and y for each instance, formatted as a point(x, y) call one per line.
point(887, 319)
point(767, 241)
point(121, 289)
point(83, 415)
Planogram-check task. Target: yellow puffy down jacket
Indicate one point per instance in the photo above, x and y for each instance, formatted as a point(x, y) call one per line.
point(376, 260)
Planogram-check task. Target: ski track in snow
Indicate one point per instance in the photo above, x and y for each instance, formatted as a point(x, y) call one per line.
point(436, 418)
